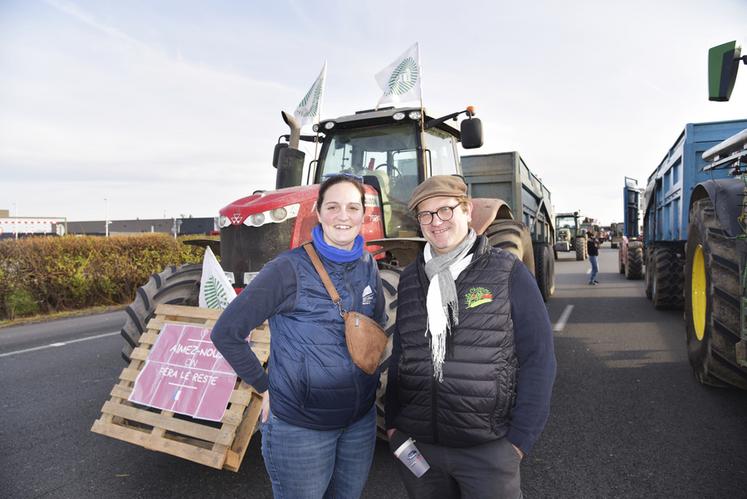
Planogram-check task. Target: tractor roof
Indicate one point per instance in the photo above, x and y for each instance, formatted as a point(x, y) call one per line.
point(372, 117)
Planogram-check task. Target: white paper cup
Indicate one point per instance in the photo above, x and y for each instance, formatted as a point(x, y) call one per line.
point(412, 458)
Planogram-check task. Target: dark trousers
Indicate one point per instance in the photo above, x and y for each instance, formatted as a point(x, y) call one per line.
point(486, 471)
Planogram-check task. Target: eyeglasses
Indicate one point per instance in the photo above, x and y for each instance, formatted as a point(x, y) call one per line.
point(445, 213)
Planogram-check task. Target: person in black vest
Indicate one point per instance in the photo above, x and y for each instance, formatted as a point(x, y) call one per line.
point(592, 245)
point(473, 363)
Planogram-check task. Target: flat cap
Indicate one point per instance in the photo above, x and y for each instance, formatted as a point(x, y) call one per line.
point(438, 185)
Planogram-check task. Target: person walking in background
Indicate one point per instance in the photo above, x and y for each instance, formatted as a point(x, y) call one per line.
point(473, 363)
point(592, 246)
point(318, 417)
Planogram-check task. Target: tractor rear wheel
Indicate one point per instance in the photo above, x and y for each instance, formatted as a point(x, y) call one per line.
point(544, 265)
point(712, 290)
point(666, 267)
point(512, 236)
point(175, 285)
point(390, 281)
point(634, 265)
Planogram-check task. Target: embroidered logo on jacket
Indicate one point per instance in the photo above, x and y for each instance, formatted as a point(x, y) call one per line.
point(478, 296)
point(368, 296)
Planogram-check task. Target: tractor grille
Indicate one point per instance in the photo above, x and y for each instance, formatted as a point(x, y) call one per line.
point(247, 249)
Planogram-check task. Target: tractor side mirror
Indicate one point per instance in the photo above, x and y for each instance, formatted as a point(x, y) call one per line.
point(723, 64)
point(471, 131)
point(276, 153)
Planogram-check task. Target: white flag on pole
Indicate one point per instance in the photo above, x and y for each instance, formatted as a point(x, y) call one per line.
point(310, 106)
point(215, 289)
point(400, 81)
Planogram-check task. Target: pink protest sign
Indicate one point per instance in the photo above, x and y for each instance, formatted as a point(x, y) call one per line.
point(185, 373)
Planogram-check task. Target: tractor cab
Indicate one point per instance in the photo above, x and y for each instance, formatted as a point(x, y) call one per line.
point(392, 150)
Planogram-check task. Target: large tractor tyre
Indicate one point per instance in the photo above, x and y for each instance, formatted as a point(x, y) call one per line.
point(390, 281)
point(175, 285)
point(712, 291)
point(634, 265)
point(581, 249)
point(544, 266)
point(648, 273)
point(666, 267)
point(512, 236)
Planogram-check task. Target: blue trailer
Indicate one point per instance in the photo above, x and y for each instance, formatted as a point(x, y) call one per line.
point(691, 229)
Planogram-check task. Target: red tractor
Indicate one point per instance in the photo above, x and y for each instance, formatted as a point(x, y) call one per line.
point(392, 150)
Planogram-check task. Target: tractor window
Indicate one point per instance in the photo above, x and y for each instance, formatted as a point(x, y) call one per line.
point(441, 152)
point(387, 154)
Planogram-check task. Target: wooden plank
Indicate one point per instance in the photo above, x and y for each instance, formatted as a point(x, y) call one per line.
point(192, 312)
point(167, 446)
point(244, 433)
point(160, 420)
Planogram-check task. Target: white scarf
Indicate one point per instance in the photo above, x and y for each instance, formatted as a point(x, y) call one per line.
point(438, 324)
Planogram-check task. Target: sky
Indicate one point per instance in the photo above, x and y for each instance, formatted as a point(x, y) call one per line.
point(150, 109)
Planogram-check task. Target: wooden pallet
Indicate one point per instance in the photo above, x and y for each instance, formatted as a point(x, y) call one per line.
point(218, 445)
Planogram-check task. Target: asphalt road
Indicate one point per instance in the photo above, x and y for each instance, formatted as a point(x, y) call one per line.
point(628, 418)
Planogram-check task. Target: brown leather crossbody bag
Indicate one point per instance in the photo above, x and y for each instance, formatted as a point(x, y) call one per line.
point(366, 340)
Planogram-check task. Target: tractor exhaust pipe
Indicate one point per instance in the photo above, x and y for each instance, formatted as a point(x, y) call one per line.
point(288, 159)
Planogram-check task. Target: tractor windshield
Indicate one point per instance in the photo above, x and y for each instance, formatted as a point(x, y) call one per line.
point(386, 156)
point(566, 225)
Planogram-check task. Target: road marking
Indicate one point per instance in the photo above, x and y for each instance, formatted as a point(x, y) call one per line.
point(56, 345)
point(560, 325)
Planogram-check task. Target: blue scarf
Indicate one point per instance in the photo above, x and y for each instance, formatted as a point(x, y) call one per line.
point(336, 254)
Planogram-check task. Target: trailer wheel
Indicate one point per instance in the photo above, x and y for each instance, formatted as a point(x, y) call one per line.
point(544, 265)
point(712, 290)
point(666, 268)
point(390, 281)
point(510, 235)
point(634, 265)
point(175, 285)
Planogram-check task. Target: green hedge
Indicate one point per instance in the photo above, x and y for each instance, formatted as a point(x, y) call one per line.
point(50, 274)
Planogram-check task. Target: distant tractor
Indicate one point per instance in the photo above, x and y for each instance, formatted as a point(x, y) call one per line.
point(570, 236)
point(616, 234)
point(630, 256)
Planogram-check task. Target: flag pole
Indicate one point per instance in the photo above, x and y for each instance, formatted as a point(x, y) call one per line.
point(422, 114)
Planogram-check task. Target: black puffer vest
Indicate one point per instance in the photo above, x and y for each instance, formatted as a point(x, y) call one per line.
point(473, 403)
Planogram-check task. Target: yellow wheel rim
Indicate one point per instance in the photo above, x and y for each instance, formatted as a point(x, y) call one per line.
point(698, 291)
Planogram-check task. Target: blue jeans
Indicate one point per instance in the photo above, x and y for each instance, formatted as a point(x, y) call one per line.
point(594, 268)
point(315, 464)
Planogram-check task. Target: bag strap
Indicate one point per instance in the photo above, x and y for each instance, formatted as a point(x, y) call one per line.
point(309, 247)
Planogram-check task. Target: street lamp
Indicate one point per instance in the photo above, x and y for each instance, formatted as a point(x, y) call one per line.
point(106, 218)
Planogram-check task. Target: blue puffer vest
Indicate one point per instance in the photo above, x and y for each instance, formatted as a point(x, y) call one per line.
point(313, 381)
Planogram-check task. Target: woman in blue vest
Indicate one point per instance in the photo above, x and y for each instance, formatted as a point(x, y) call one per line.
point(318, 417)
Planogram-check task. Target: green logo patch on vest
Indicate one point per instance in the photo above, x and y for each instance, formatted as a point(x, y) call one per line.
point(478, 296)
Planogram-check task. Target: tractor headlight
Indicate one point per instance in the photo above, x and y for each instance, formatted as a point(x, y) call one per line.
point(257, 219)
point(414, 115)
point(398, 116)
point(223, 221)
point(329, 125)
point(276, 215)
